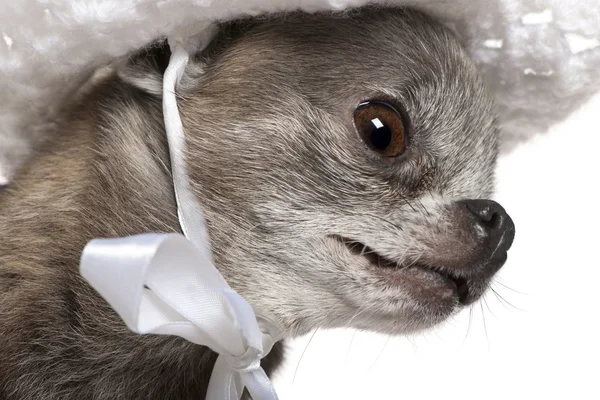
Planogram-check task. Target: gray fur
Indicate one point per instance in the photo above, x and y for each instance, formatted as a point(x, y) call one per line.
point(281, 174)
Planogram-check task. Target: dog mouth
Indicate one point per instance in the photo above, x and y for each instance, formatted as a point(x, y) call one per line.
point(388, 267)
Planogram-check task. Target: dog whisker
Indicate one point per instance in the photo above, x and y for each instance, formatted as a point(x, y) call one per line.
point(487, 338)
point(302, 355)
point(504, 301)
point(379, 355)
point(499, 282)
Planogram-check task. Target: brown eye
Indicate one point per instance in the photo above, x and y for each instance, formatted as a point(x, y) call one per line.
point(381, 127)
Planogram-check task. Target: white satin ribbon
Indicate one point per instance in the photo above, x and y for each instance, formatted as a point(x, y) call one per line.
point(189, 211)
point(166, 283)
point(161, 284)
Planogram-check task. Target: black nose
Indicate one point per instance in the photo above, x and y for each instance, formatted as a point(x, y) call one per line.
point(495, 223)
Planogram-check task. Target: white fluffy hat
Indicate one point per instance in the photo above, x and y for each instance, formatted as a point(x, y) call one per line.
point(541, 57)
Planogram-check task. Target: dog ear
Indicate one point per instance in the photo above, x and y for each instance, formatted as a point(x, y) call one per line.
point(144, 69)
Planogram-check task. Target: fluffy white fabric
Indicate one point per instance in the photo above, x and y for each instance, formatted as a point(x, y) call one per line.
point(541, 57)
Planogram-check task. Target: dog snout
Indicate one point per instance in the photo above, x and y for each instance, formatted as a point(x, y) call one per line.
point(498, 229)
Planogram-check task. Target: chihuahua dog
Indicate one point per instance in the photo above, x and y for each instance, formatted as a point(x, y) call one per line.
point(344, 164)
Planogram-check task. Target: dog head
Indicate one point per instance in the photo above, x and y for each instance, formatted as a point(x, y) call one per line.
point(344, 163)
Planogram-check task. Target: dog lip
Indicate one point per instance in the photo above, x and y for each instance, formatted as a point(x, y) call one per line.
point(461, 284)
point(359, 249)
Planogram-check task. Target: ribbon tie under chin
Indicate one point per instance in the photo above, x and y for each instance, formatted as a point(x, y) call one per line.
point(161, 284)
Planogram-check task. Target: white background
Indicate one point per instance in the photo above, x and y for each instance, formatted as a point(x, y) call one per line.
point(545, 346)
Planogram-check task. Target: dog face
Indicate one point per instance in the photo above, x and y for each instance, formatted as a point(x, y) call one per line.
point(340, 161)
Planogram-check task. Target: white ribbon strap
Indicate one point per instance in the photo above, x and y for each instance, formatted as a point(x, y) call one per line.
point(189, 211)
point(161, 284)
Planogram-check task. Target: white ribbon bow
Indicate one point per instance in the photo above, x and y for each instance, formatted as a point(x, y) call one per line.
point(161, 284)
point(166, 284)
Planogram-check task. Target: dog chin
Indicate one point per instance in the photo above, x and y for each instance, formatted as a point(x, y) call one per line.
point(406, 321)
point(394, 309)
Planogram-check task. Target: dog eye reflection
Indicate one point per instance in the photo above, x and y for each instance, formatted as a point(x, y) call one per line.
point(381, 127)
